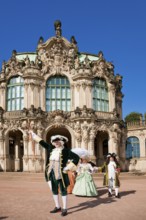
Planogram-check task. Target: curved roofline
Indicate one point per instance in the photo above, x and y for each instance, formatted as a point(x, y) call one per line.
point(21, 53)
point(86, 53)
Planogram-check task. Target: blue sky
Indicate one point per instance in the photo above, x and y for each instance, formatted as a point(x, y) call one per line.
point(117, 27)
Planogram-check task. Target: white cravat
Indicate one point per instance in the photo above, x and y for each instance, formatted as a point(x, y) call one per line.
point(111, 169)
point(55, 155)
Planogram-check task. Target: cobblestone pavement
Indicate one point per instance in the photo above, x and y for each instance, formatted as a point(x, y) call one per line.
point(26, 196)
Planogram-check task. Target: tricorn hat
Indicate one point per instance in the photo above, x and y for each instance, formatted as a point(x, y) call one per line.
point(59, 138)
point(111, 155)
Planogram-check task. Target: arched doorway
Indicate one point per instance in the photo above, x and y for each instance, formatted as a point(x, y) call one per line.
point(16, 150)
point(60, 131)
point(105, 147)
point(101, 147)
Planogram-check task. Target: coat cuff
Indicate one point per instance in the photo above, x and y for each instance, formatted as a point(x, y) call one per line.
point(71, 166)
point(37, 138)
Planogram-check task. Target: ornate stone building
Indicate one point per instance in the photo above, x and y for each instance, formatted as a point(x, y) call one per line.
point(59, 90)
point(136, 146)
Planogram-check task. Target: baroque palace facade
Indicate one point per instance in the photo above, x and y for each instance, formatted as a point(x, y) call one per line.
point(58, 90)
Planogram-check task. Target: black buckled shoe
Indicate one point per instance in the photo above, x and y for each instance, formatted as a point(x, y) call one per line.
point(64, 212)
point(117, 196)
point(109, 194)
point(55, 210)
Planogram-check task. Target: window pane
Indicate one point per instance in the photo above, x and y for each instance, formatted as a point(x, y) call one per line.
point(15, 90)
point(58, 104)
point(22, 91)
point(22, 104)
point(13, 105)
point(63, 106)
point(9, 105)
point(53, 105)
point(100, 95)
point(132, 147)
point(63, 93)
point(48, 93)
point(9, 93)
point(53, 93)
point(18, 104)
point(60, 93)
point(68, 93)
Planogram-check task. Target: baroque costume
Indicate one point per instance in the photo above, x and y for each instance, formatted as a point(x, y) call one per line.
point(84, 185)
point(56, 168)
point(111, 171)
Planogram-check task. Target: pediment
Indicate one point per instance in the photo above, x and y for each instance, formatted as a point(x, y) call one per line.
point(57, 52)
point(51, 42)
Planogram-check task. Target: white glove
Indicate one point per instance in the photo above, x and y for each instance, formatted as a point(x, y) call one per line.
point(35, 137)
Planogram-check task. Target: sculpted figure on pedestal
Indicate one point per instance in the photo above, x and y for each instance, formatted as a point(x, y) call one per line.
point(57, 25)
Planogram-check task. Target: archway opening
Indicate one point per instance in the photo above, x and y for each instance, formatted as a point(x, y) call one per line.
point(16, 150)
point(60, 131)
point(101, 147)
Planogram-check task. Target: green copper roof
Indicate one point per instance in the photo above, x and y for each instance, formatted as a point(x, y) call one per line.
point(32, 56)
point(22, 56)
point(90, 57)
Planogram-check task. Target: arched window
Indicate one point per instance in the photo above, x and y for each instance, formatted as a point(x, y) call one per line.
point(58, 93)
point(100, 95)
point(132, 147)
point(15, 94)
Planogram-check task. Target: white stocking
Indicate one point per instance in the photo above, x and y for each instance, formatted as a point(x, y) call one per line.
point(110, 190)
point(64, 201)
point(56, 200)
point(116, 191)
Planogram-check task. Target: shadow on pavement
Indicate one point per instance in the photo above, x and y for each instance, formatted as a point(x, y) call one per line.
point(4, 217)
point(102, 192)
point(125, 193)
point(91, 204)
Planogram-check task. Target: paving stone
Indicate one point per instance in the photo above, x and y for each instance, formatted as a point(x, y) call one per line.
point(26, 196)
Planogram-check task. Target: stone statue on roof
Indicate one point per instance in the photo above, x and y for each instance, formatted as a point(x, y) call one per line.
point(57, 25)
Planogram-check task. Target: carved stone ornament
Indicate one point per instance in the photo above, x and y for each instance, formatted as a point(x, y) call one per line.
point(85, 131)
point(59, 118)
point(77, 132)
point(3, 127)
point(34, 112)
point(84, 113)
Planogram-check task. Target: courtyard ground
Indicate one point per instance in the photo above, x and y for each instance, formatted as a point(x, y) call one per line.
point(26, 196)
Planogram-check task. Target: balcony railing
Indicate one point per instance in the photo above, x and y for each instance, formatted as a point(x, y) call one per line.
point(104, 115)
point(13, 114)
point(136, 124)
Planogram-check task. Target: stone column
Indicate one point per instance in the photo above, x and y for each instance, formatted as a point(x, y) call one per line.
point(77, 133)
point(25, 157)
point(112, 104)
point(3, 95)
point(1, 153)
point(39, 152)
point(26, 92)
point(111, 143)
point(6, 154)
point(85, 135)
point(76, 96)
point(17, 159)
point(43, 96)
point(89, 101)
point(142, 145)
point(91, 144)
